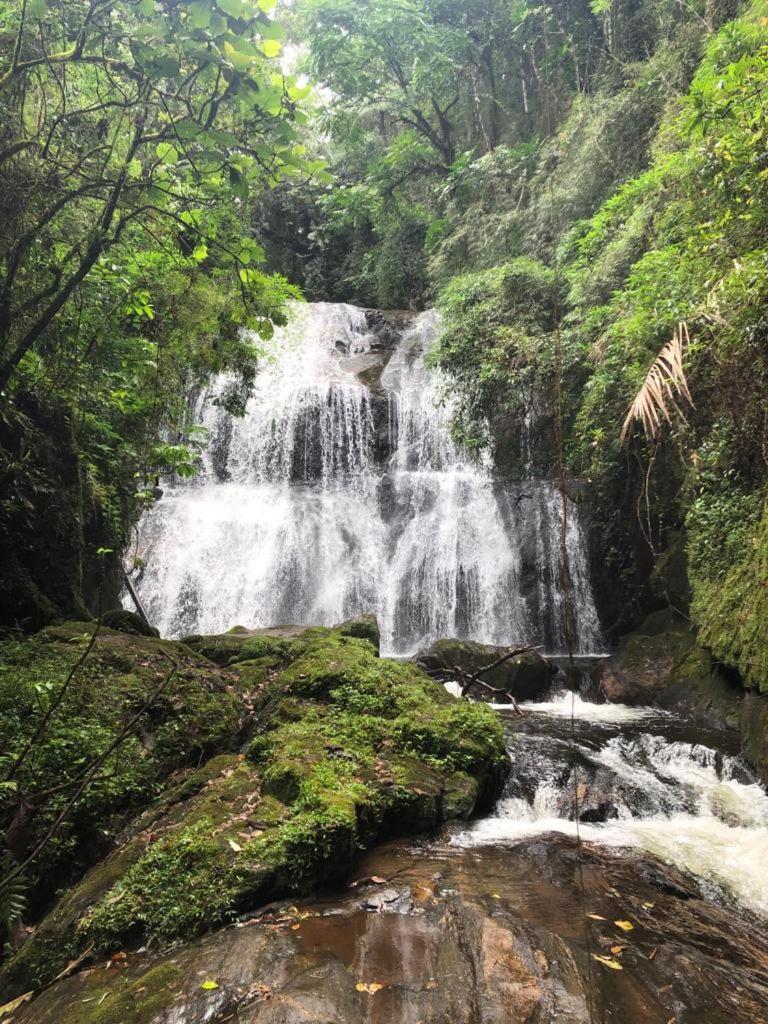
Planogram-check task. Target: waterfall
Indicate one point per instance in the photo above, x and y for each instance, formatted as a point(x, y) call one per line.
point(342, 492)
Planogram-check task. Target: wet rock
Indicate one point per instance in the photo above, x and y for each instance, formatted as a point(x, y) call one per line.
point(527, 676)
point(496, 935)
point(389, 901)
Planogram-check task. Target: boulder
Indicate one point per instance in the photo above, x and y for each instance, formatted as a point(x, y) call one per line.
point(127, 622)
point(527, 676)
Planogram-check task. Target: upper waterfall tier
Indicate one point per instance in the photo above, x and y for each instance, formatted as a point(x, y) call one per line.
point(341, 491)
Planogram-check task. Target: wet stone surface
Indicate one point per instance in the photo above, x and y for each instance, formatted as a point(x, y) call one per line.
point(448, 935)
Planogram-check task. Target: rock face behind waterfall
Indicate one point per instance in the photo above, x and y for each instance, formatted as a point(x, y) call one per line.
point(277, 756)
point(342, 492)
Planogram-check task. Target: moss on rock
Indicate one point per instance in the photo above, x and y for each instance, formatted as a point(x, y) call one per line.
point(347, 748)
point(732, 612)
point(181, 708)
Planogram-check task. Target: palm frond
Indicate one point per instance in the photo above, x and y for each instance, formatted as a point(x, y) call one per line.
point(664, 383)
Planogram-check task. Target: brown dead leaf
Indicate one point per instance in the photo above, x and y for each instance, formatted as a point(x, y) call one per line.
point(378, 880)
point(294, 927)
point(616, 950)
point(597, 917)
point(626, 926)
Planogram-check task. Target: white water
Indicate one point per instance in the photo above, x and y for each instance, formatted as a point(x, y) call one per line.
point(681, 801)
point(329, 499)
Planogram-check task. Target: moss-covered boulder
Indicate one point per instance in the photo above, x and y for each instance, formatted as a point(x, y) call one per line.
point(278, 643)
point(150, 705)
point(127, 622)
point(345, 749)
point(527, 676)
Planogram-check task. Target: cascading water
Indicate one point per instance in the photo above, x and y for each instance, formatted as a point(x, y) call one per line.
point(341, 492)
point(645, 779)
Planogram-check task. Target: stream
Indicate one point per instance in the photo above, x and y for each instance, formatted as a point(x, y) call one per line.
point(658, 917)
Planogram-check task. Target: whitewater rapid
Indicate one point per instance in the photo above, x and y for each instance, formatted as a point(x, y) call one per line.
point(680, 799)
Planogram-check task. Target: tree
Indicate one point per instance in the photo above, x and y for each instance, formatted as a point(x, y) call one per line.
point(138, 121)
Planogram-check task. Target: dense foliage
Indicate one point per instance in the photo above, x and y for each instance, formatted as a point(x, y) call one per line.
point(569, 181)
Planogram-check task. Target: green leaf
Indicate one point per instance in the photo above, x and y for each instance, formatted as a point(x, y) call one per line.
point(299, 92)
point(267, 5)
point(209, 985)
point(237, 59)
point(133, 168)
point(234, 8)
point(167, 153)
point(200, 14)
point(146, 7)
point(200, 252)
point(271, 47)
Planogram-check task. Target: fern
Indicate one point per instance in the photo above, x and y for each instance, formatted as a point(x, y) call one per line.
point(13, 898)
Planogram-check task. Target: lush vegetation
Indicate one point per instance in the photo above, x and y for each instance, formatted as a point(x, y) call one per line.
point(569, 182)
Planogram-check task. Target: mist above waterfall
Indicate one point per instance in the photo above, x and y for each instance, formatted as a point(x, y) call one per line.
point(341, 492)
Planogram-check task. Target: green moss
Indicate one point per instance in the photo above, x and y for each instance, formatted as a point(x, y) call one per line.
point(192, 714)
point(126, 1002)
point(732, 610)
point(349, 748)
point(184, 882)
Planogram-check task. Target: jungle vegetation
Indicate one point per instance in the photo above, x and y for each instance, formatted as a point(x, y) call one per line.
point(575, 183)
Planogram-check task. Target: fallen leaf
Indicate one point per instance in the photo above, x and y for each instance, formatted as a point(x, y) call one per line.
point(370, 987)
point(608, 962)
point(235, 846)
point(15, 1003)
point(653, 952)
point(626, 926)
point(648, 906)
point(209, 985)
point(596, 917)
point(616, 950)
point(431, 984)
point(495, 895)
point(295, 926)
point(378, 880)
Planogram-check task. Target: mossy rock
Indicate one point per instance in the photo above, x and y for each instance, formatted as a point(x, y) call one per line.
point(180, 708)
point(348, 749)
point(280, 644)
point(644, 659)
point(527, 676)
point(127, 622)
